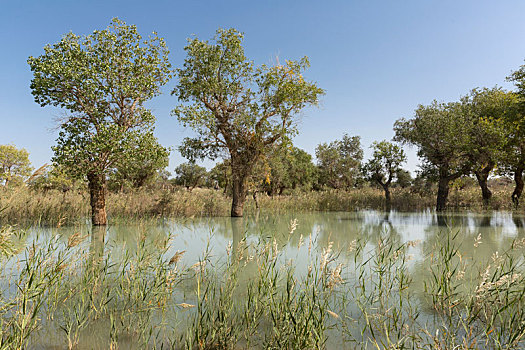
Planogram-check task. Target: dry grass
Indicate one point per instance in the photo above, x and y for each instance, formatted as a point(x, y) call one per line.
point(25, 206)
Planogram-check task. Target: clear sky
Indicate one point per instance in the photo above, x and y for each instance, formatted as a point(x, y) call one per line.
point(377, 60)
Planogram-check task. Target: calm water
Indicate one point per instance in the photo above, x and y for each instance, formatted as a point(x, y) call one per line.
point(316, 230)
point(498, 230)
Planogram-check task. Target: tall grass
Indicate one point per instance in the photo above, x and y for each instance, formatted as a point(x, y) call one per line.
point(25, 206)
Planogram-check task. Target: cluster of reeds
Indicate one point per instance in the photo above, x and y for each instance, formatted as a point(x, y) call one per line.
point(58, 293)
point(258, 300)
point(370, 294)
point(55, 208)
point(456, 301)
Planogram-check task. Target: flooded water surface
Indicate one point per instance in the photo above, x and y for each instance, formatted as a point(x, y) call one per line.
point(372, 260)
point(195, 236)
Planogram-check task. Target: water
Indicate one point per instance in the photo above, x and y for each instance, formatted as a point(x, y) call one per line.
point(497, 229)
point(480, 236)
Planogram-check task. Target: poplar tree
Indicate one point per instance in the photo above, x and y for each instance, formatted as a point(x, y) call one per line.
point(102, 81)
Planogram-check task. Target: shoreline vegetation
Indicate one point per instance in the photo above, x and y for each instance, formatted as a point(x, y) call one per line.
point(24, 206)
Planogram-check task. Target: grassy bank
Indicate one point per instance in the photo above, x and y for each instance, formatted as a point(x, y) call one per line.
point(75, 293)
point(56, 208)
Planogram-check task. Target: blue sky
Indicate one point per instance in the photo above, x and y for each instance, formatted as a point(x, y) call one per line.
point(377, 60)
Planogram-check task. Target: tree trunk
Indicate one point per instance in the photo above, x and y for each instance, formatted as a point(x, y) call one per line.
point(388, 201)
point(97, 192)
point(482, 177)
point(442, 194)
point(518, 189)
point(239, 194)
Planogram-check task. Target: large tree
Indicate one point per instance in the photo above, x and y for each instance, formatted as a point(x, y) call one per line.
point(14, 164)
point(384, 166)
point(514, 160)
point(339, 162)
point(238, 110)
point(102, 80)
point(440, 133)
point(487, 110)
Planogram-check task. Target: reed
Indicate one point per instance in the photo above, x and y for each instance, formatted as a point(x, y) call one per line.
point(370, 294)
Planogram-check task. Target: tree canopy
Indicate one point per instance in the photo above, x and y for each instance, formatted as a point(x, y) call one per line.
point(339, 162)
point(384, 166)
point(440, 133)
point(487, 110)
point(190, 175)
point(14, 164)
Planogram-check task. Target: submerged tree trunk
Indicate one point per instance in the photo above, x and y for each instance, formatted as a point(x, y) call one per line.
point(518, 220)
point(96, 248)
point(482, 176)
point(239, 193)
point(241, 165)
point(442, 194)
point(441, 220)
point(388, 200)
point(518, 189)
point(97, 192)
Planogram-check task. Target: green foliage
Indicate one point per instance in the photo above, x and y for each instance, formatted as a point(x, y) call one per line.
point(235, 105)
point(403, 178)
point(14, 164)
point(102, 80)
point(54, 178)
point(141, 165)
point(190, 175)
point(489, 109)
point(518, 78)
point(439, 132)
point(221, 175)
point(514, 121)
point(339, 162)
point(385, 164)
point(287, 168)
